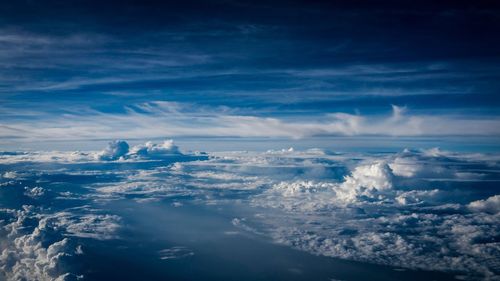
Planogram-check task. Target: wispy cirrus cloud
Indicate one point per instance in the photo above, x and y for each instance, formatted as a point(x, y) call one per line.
point(160, 119)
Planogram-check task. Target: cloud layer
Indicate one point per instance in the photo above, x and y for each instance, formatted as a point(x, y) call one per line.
point(416, 209)
point(158, 119)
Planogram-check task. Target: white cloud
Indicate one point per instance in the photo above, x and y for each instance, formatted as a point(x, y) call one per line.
point(370, 217)
point(46, 251)
point(33, 256)
point(416, 196)
point(438, 165)
point(152, 150)
point(114, 151)
point(490, 205)
point(100, 227)
point(241, 223)
point(10, 175)
point(405, 167)
point(34, 192)
point(117, 150)
point(177, 252)
point(366, 180)
point(157, 119)
point(377, 208)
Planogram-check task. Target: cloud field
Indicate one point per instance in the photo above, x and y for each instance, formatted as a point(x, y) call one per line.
point(415, 209)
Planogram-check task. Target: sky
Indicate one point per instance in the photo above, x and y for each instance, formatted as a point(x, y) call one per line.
point(85, 70)
point(317, 140)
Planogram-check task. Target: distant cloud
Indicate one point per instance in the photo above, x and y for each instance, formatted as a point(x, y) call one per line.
point(177, 252)
point(152, 150)
point(159, 119)
point(119, 150)
point(114, 150)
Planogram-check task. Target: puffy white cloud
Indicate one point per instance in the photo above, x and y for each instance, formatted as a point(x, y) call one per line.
point(370, 217)
point(100, 227)
point(366, 180)
point(306, 196)
point(444, 243)
point(115, 150)
point(35, 192)
point(34, 255)
point(45, 251)
point(416, 196)
point(405, 167)
point(119, 150)
point(153, 150)
point(437, 164)
point(365, 183)
point(490, 205)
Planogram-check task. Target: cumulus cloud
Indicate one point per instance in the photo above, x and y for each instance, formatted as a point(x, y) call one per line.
point(35, 255)
point(35, 192)
point(100, 227)
point(369, 216)
point(385, 240)
point(377, 208)
point(405, 166)
point(490, 205)
point(153, 150)
point(115, 150)
point(119, 150)
point(366, 180)
point(44, 250)
point(437, 164)
point(416, 196)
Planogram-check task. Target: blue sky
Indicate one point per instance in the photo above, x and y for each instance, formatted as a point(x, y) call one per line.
point(84, 69)
point(318, 140)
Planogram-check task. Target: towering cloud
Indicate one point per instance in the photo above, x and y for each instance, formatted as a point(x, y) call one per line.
point(115, 150)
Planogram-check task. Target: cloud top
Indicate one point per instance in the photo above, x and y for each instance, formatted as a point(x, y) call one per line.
point(120, 150)
point(152, 150)
point(490, 205)
point(114, 151)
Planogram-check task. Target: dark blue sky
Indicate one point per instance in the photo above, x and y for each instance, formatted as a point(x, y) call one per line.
point(293, 61)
